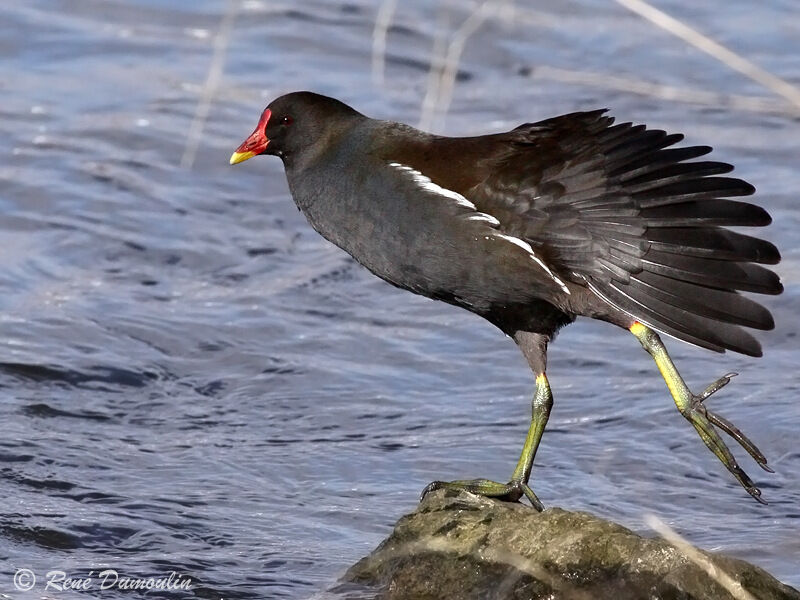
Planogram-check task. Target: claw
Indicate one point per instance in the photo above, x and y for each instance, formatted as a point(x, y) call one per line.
point(715, 387)
point(532, 498)
point(736, 434)
point(756, 494)
point(432, 486)
point(704, 421)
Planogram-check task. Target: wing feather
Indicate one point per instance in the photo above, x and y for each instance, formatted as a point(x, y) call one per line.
point(621, 210)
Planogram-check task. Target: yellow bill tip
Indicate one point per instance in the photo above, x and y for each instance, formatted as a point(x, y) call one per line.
point(238, 157)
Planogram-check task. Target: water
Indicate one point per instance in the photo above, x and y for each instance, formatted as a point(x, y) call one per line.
point(193, 381)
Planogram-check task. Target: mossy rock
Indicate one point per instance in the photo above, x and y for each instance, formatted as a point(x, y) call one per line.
point(458, 546)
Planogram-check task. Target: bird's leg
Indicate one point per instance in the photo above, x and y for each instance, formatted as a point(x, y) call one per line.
point(540, 408)
point(693, 408)
point(540, 413)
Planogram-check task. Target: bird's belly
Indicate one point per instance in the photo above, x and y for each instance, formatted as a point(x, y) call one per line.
point(463, 267)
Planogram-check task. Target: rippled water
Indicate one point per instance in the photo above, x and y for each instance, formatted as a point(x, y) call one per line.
point(193, 381)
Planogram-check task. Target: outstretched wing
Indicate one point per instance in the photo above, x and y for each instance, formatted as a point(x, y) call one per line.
point(617, 208)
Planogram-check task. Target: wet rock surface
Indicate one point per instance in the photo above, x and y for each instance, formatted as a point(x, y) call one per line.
point(461, 546)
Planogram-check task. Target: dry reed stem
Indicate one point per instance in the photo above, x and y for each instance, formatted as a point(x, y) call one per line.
point(379, 33)
point(434, 80)
point(215, 71)
point(452, 58)
point(520, 564)
point(444, 68)
point(726, 56)
point(438, 97)
point(733, 587)
point(758, 104)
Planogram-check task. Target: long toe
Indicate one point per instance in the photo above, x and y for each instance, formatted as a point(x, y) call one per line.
point(509, 492)
point(736, 434)
point(703, 421)
point(724, 424)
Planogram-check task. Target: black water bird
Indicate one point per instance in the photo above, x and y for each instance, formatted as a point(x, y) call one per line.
point(571, 216)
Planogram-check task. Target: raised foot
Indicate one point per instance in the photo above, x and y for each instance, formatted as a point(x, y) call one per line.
point(510, 492)
point(704, 421)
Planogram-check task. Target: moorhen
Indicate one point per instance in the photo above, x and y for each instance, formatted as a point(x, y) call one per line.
point(531, 228)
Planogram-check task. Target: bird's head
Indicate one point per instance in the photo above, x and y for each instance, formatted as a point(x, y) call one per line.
point(294, 124)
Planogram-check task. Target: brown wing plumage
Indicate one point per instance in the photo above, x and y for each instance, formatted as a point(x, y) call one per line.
point(617, 208)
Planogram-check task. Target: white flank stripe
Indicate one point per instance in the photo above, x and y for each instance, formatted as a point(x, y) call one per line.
point(426, 184)
point(483, 217)
point(522, 244)
point(527, 247)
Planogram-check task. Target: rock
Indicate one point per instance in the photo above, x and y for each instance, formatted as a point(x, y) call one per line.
point(458, 546)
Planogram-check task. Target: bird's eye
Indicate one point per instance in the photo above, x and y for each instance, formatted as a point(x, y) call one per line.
point(286, 120)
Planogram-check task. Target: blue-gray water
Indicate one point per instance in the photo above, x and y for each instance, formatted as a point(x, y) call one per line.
point(192, 380)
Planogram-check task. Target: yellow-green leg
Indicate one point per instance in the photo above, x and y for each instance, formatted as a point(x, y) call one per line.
point(534, 348)
point(692, 407)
